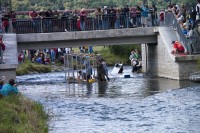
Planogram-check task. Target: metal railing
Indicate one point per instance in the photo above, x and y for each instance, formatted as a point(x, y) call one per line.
point(63, 24)
point(103, 22)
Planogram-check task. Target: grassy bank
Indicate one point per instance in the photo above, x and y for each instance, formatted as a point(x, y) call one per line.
point(27, 67)
point(20, 115)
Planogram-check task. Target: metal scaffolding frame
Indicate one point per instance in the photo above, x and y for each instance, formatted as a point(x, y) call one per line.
point(75, 62)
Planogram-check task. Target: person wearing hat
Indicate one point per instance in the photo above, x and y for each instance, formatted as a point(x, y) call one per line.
point(178, 48)
point(9, 88)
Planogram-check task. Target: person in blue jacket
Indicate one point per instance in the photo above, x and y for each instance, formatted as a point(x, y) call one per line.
point(144, 15)
point(9, 88)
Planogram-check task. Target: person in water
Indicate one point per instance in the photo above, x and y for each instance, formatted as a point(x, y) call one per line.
point(9, 88)
point(83, 76)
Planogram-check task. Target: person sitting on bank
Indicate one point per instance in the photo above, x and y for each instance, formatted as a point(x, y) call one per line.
point(9, 88)
point(178, 48)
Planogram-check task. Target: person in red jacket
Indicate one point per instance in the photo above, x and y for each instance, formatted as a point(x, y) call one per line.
point(178, 48)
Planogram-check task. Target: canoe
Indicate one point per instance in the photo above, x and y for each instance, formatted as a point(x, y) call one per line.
point(118, 68)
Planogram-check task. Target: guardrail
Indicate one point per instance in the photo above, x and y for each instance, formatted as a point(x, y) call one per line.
point(63, 24)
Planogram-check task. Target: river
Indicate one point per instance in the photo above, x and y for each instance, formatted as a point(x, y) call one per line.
point(139, 104)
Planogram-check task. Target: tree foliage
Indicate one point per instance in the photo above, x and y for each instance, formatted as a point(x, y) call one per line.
point(24, 5)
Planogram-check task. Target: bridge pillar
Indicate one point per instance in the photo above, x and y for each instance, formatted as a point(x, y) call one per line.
point(157, 60)
point(149, 55)
point(10, 57)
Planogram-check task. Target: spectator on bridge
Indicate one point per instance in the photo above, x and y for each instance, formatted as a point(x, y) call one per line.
point(138, 18)
point(105, 18)
point(65, 19)
point(192, 16)
point(126, 13)
point(144, 14)
point(154, 17)
point(98, 18)
point(55, 14)
point(5, 22)
point(55, 22)
point(74, 20)
point(177, 48)
point(133, 15)
point(185, 29)
point(117, 22)
point(13, 18)
point(190, 32)
point(48, 20)
point(9, 88)
point(162, 17)
point(83, 16)
point(35, 20)
point(112, 17)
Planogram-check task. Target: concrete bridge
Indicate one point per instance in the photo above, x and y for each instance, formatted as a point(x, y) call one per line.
point(81, 38)
point(155, 42)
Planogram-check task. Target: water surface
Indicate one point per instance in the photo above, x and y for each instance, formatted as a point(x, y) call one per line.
point(124, 105)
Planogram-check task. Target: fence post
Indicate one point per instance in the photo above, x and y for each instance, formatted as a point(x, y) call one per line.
point(41, 27)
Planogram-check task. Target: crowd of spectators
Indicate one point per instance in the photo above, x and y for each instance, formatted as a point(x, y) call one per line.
point(187, 17)
point(101, 18)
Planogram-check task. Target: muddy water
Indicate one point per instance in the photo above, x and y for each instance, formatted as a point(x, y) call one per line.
point(123, 105)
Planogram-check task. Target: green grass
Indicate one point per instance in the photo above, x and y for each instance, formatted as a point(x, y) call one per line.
point(28, 67)
point(20, 115)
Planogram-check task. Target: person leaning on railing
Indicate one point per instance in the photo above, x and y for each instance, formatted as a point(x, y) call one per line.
point(35, 21)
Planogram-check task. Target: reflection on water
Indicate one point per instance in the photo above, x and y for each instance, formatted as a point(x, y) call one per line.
point(137, 104)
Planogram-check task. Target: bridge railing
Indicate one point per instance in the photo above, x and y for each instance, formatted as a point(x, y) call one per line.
point(63, 24)
point(189, 43)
